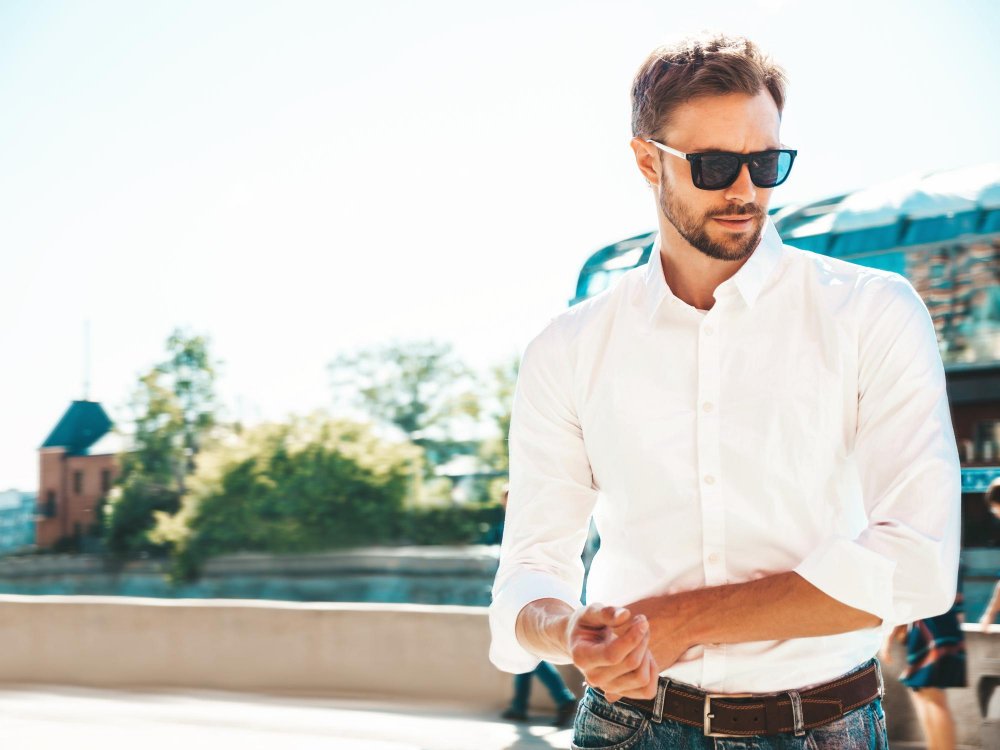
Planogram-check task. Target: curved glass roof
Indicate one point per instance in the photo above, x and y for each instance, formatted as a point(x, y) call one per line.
point(909, 198)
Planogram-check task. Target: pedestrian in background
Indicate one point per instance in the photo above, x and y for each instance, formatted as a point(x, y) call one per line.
point(992, 498)
point(935, 660)
point(548, 675)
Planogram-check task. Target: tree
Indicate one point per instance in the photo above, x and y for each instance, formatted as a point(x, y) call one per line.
point(312, 484)
point(500, 397)
point(420, 387)
point(173, 409)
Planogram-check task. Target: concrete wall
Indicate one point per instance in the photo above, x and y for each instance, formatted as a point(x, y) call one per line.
point(419, 575)
point(363, 650)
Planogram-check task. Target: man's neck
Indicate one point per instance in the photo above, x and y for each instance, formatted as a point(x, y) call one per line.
point(691, 275)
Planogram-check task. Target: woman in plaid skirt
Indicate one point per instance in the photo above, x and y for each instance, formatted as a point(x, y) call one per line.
point(935, 659)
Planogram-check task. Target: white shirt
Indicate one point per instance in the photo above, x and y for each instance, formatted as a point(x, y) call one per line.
point(801, 425)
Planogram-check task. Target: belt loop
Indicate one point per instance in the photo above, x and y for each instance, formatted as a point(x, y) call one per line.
point(881, 682)
point(797, 720)
point(661, 695)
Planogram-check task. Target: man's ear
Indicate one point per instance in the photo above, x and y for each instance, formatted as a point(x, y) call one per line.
point(647, 158)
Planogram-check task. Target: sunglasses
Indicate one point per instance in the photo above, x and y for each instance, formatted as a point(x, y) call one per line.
point(715, 170)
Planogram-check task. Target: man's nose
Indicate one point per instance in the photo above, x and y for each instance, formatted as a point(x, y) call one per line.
point(743, 189)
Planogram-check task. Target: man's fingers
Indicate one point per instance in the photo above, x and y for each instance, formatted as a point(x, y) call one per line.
point(620, 647)
point(634, 658)
point(648, 690)
point(608, 677)
point(601, 614)
point(607, 653)
point(641, 683)
point(653, 684)
point(634, 679)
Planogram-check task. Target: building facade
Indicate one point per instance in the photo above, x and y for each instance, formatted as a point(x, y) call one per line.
point(78, 465)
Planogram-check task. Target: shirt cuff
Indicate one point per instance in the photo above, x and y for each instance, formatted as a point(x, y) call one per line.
point(853, 575)
point(506, 651)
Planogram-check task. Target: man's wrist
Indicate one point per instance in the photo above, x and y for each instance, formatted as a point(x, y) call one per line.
point(670, 620)
point(542, 628)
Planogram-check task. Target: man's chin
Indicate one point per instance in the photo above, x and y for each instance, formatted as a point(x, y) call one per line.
point(735, 244)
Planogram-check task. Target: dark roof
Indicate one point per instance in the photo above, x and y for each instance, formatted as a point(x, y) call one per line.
point(83, 424)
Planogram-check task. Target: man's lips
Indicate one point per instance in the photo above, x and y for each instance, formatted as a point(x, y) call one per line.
point(736, 222)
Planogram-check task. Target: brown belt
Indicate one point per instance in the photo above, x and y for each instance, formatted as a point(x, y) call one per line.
point(747, 715)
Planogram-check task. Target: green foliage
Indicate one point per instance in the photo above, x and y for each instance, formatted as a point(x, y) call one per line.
point(193, 490)
point(501, 385)
point(173, 409)
point(463, 524)
point(192, 375)
point(310, 485)
point(416, 386)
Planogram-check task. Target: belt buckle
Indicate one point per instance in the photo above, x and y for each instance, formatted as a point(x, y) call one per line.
point(709, 715)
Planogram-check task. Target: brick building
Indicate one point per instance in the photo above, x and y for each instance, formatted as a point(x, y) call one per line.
point(78, 464)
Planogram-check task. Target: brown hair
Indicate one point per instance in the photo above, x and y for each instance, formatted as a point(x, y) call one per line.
point(993, 492)
point(703, 65)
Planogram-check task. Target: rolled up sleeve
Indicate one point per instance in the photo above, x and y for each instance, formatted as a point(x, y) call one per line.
point(904, 566)
point(552, 496)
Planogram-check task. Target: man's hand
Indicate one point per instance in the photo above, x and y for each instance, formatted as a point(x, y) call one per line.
point(611, 648)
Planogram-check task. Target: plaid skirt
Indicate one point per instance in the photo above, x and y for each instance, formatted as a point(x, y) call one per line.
point(935, 652)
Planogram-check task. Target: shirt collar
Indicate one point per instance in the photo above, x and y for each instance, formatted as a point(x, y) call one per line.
point(749, 280)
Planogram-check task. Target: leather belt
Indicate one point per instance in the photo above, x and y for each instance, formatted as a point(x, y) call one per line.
point(747, 715)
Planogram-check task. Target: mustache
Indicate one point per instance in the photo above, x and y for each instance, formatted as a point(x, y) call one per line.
point(745, 211)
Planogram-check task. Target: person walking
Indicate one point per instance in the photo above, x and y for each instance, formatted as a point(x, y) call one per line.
point(761, 434)
point(935, 660)
point(547, 674)
point(992, 498)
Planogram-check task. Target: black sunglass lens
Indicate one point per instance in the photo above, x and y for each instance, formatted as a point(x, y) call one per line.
point(764, 168)
point(770, 168)
point(716, 171)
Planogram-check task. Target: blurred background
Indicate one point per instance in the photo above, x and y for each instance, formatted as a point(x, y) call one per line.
point(270, 267)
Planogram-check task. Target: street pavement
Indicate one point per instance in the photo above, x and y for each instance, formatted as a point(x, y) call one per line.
point(43, 717)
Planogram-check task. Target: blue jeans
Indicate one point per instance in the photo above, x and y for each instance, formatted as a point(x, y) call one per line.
point(616, 726)
point(552, 680)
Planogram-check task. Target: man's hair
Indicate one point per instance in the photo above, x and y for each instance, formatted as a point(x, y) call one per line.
point(702, 65)
point(992, 495)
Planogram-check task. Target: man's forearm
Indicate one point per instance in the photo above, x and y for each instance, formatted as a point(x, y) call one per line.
point(541, 629)
point(772, 608)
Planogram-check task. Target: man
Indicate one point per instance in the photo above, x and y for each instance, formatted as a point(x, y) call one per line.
point(762, 435)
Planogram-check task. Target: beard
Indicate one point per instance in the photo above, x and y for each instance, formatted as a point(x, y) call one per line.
point(693, 228)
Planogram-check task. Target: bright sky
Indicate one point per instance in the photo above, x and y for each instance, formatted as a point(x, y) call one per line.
point(294, 180)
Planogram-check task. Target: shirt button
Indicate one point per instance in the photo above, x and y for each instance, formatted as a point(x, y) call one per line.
point(714, 557)
point(709, 479)
point(707, 406)
point(709, 330)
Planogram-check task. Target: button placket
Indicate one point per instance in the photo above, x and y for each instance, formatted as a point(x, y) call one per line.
point(713, 505)
point(708, 436)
